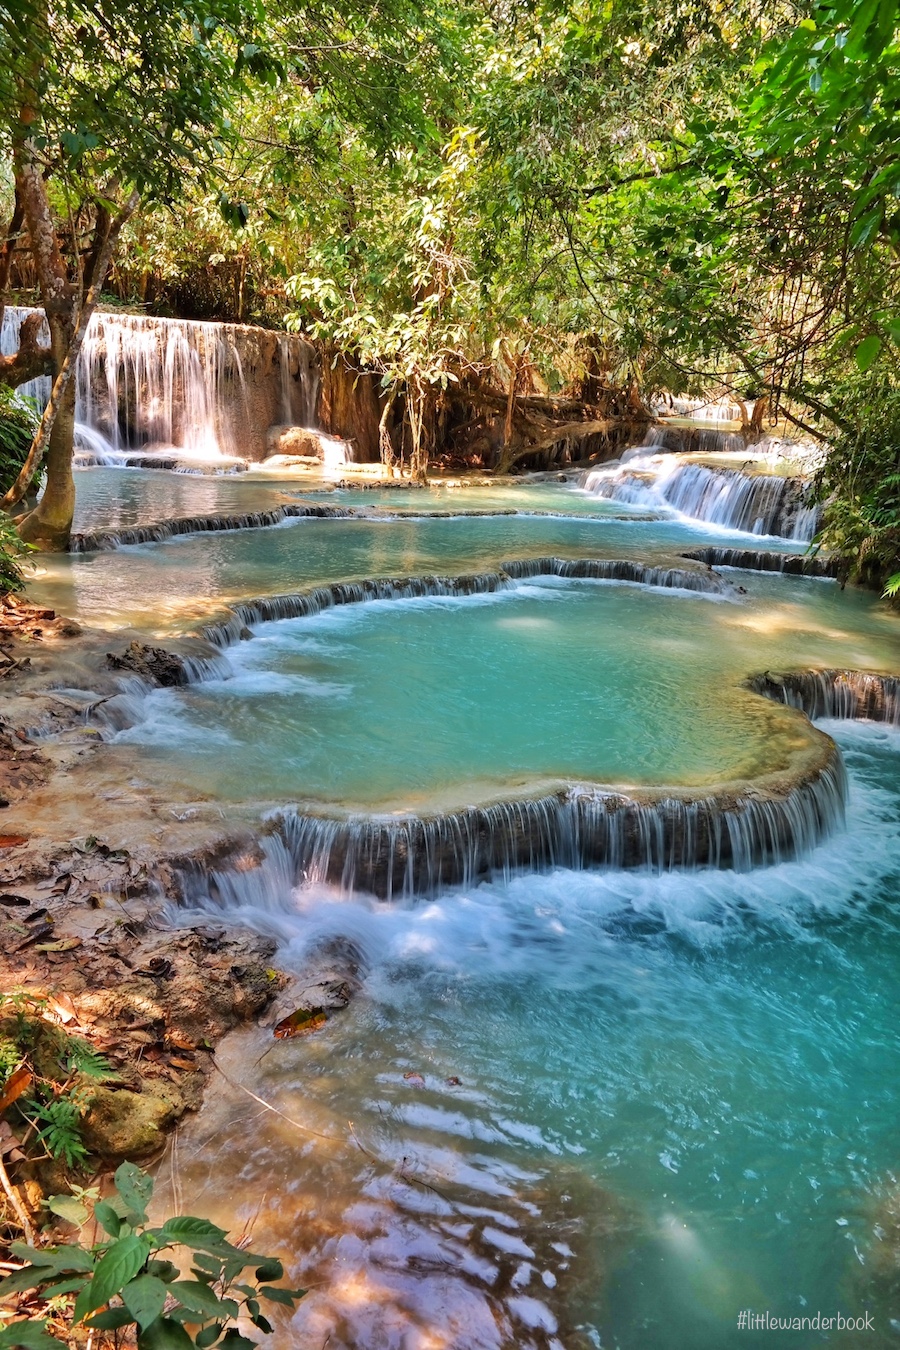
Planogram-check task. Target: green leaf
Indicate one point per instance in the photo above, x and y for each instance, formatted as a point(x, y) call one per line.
point(163, 1270)
point(116, 1268)
point(188, 1230)
point(65, 1287)
point(164, 1334)
point(271, 1269)
point(286, 1296)
point(111, 1319)
point(145, 1297)
point(107, 1218)
point(68, 1208)
point(66, 1257)
point(29, 1335)
point(209, 1335)
point(135, 1188)
point(235, 1341)
point(866, 228)
point(199, 1298)
point(28, 1278)
point(867, 351)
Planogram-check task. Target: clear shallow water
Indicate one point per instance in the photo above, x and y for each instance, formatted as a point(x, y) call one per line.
point(417, 703)
point(173, 584)
point(677, 1098)
point(113, 498)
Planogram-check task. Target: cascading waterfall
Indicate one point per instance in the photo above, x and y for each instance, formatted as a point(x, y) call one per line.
point(834, 693)
point(104, 541)
point(578, 827)
point(753, 503)
point(759, 560)
point(147, 382)
point(267, 609)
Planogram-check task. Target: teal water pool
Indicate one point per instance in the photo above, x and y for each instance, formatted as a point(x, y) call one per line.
point(174, 584)
point(439, 702)
point(586, 1109)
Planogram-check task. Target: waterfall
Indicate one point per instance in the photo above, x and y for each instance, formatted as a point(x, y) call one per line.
point(758, 560)
point(834, 693)
point(267, 609)
point(144, 382)
point(105, 541)
point(578, 827)
point(753, 503)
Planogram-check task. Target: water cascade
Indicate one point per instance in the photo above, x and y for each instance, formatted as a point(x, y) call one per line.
point(758, 560)
point(755, 503)
point(104, 541)
point(267, 609)
point(834, 693)
point(577, 827)
point(145, 382)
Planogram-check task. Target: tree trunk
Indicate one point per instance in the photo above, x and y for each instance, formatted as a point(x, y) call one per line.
point(49, 525)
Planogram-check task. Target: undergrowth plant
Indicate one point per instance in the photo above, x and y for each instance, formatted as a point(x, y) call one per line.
point(47, 1079)
point(861, 482)
point(18, 423)
point(126, 1285)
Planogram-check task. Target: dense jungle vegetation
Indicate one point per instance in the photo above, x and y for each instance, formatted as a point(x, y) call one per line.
point(604, 200)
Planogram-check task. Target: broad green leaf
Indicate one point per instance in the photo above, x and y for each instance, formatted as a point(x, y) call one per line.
point(164, 1334)
point(272, 1269)
point(866, 228)
point(135, 1188)
point(207, 1336)
point(116, 1268)
point(29, 1335)
point(199, 1298)
point(63, 1258)
point(65, 1287)
point(287, 1296)
point(111, 1319)
point(235, 1341)
point(187, 1230)
point(107, 1218)
point(163, 1270)
point(68, 1208)
point(29, 1278)
point(145, 1297)
point(867, 351)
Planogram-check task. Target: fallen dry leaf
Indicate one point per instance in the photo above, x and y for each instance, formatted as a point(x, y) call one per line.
point(63, 945)
point(17, 1084)
point(300, 1023)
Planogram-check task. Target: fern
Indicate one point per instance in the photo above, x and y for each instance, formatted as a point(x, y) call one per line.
point(82, 1058)
point(892, 586)
point(61, 1132)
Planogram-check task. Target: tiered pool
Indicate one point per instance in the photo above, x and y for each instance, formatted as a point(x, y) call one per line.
point(597, 1108)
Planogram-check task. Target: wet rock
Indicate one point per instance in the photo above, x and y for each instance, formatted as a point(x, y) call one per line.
point(128, 1124)
point(151, 663)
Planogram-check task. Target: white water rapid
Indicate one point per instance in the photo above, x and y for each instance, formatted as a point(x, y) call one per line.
point(759, 503)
